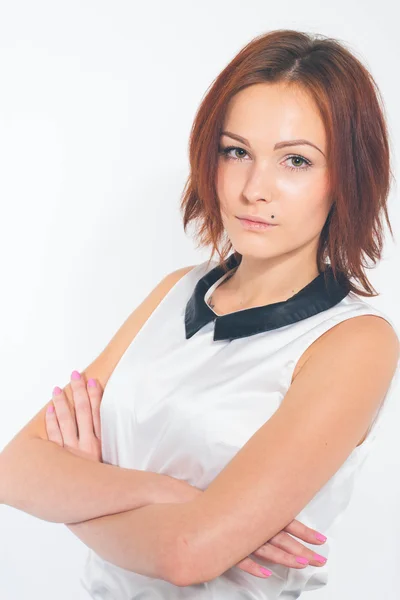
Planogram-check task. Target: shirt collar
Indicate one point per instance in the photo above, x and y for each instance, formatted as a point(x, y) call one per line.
point(321, 293)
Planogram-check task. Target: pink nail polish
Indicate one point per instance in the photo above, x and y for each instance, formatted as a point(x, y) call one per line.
point(265, 571)
point(320, 558)
point(92, 382)
point(50, 408)
point(320, 537)
point(57, 391)
point(302, 560)
point(75, 375)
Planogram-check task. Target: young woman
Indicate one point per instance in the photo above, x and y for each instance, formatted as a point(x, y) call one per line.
point(253, 385)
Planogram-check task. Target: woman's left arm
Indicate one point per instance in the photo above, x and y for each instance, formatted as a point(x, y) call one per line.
point(281, 468)
point(143, 540)
point(320, 421)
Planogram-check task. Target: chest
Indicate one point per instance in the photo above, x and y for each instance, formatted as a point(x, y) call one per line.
point(222, 301)
point(185, 407)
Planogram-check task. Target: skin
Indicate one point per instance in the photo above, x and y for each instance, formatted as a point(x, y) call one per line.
point(81, 435)
point(286, 200)
point(280, 261)
point(299, 201)
point(254, 178)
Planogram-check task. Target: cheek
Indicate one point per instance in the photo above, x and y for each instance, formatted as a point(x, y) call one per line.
point(305, 198)
point(307, 219)
point(226, 187)
point(304, 220)
point(310, 184)
point(228, 182)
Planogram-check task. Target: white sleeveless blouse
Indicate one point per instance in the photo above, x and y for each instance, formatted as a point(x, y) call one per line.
point(191, 389)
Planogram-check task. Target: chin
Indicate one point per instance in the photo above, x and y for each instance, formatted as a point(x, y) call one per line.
point(255, 249)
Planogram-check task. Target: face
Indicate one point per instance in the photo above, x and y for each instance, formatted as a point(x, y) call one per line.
point(255, 178)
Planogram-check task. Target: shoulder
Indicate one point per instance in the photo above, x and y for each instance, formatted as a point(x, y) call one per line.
point(369, 327)
point(360, 343)
point(368, 340)
point(351, 369)
point(166, 284)
point(104, 364)
point(173, 277)
point(156, 295)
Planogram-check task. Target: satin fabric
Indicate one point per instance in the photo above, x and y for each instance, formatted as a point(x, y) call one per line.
point(184, 407)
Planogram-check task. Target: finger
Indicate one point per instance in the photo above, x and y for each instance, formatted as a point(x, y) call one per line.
point(304, 533)
point(95, 394)
point(285, 542)
point(52, 427)
point(250, 566)
point(280, 557)
point(83, 409)
point(65, 418)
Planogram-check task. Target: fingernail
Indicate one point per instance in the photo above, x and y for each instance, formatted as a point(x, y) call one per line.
point(302, 560)
point(265, 571)
point(50, 408)
point(92, 382)
point(57, 391)
point(320, 537)
point(320, 558)
point(75, 375)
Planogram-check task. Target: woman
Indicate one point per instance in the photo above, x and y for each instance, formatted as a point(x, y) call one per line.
point(259, 378)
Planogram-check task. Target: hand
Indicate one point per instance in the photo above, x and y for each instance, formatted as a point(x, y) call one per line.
point(63, 429)
point(80, 434)
point(281, 549)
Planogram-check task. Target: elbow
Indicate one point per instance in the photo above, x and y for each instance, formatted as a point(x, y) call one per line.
point(185, 568)
point(189, 560)
point(178, 567)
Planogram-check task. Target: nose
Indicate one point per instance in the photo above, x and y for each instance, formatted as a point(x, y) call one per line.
point(259, 185)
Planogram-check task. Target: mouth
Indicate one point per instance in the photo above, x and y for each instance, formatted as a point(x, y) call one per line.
point(255, 225)
point(254, 219)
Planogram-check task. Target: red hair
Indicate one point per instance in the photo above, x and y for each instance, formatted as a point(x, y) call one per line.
point(358, 158)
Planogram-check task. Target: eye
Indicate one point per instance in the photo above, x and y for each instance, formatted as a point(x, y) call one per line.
point(298, 157)
point(226, 153)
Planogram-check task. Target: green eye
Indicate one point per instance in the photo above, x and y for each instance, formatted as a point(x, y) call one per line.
point(225, 152)
point(297, 156)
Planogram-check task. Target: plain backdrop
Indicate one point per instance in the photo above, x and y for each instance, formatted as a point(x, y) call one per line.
point(96, 105)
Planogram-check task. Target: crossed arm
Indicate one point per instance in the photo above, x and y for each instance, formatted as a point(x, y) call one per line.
point(143, 540)
point(319, 423)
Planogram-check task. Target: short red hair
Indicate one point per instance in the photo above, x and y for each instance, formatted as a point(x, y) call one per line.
point(358, 156)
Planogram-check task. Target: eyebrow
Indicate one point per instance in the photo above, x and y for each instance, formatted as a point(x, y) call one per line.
point(278, 145)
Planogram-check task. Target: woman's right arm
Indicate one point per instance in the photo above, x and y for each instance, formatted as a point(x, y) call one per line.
point(46, 481)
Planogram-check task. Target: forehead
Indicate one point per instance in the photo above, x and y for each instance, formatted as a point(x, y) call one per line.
point(275, 111)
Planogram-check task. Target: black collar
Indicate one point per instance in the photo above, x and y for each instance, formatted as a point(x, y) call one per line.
point(321, 293)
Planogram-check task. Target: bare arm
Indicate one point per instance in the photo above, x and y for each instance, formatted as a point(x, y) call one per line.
point(137, 540)
point(168, 541)
point(63, 430)
point(44, 480)
point(144, 540)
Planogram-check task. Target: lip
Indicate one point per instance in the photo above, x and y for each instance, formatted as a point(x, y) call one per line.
point(255, 225)
point(254, 219)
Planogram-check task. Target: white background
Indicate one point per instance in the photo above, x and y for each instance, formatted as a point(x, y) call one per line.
point(96, 104)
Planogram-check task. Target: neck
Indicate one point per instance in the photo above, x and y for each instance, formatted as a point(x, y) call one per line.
point(253, 284)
